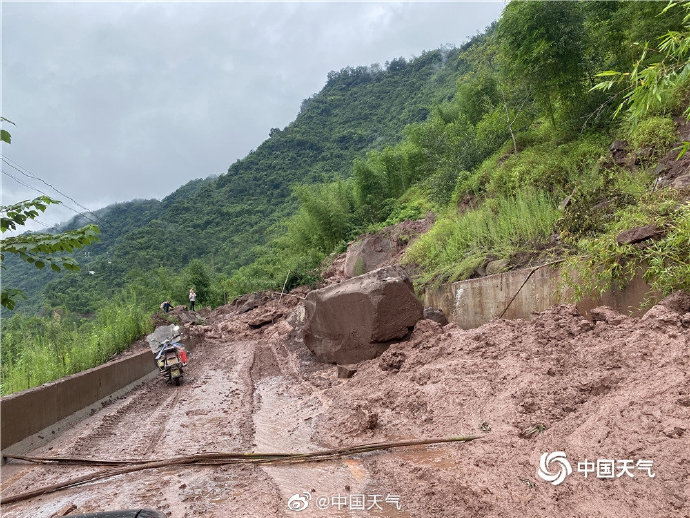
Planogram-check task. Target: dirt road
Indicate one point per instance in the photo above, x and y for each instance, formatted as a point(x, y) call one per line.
point(236, 397)
point(616, 390)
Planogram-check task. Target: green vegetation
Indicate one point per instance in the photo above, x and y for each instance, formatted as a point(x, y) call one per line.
point(506, 139)
point(603, 263)
point(36, 350)
point(655, 132)
point(459, 243)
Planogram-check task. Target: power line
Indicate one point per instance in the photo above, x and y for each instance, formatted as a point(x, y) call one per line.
point(40, 191)
point(14, 165)
point(30, 187)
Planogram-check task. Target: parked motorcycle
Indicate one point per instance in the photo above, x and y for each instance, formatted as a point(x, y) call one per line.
point(169, 354)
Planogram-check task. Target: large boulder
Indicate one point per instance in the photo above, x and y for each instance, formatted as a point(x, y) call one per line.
point(368, 254)
point(359, 318)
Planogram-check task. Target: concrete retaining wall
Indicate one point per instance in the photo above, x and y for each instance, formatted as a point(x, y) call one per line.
point(26, 413)
point(474, 302)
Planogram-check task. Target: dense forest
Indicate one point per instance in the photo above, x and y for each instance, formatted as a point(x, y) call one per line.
point(493, 137)
point(222, 220)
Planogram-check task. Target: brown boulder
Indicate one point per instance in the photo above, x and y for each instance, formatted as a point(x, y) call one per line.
point(358, 319)
point(638, 234)
point(368, 254)
point(250, 301)
point(678, 301)
point(265, 318)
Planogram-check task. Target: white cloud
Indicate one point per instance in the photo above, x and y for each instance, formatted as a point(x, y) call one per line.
point(115, 101)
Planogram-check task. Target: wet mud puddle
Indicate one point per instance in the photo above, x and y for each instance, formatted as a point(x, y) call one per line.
point(282, 424)
point(339, 487)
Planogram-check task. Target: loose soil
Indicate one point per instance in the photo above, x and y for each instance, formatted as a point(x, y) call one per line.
point(616, 389)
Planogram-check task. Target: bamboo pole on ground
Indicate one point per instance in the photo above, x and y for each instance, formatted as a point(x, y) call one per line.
point(202, 459)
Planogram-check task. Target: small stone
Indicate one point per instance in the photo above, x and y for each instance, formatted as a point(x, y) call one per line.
point(497, 266)
point(392, 361)
point(565, 202)
point(645, 152)
point(681, 182)
point(435, 314)
point(346, 371)
point(608, 315)
point(618, 145)
point(637, 234)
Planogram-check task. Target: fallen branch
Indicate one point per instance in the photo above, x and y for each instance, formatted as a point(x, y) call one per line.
point(202, 459)
point(525, 282)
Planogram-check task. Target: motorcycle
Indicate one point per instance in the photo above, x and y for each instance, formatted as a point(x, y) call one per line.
point(169, 354)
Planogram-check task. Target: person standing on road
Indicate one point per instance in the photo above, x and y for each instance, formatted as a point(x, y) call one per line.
point(192, 299)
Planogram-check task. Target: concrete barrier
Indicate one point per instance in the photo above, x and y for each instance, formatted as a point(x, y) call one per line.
point(522, 293)
point(28, 412)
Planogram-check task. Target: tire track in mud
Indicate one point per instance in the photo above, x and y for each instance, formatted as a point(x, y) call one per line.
point(132, 428)
point(285, 405)
point(211, 411)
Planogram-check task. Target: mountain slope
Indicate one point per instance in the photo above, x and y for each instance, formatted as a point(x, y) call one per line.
point(221, 220)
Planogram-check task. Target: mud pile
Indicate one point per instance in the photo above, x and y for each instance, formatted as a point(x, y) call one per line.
point(249, 316)
point(614, 390)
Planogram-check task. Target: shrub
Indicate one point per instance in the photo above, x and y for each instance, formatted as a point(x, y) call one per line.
point(596, 199)
point(548, 166)
point(654, 132)
point(457, 244)
point(602, 263)
point(46, 349)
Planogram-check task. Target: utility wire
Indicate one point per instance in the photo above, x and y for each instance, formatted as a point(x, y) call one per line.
point(14, 165)
point(29, 187)
point(40, 191)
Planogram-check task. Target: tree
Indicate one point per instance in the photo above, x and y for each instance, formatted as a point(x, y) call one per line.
point(38, 249)
point(196, 276)
point(649, 86)
point(542, 46)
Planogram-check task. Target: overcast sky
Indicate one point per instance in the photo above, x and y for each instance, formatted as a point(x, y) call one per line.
point(116, 101)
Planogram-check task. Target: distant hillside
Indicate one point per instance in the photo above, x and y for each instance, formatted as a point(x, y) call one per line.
point(221, 220)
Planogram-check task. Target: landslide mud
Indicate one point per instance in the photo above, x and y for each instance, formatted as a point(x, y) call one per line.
point(615, 389)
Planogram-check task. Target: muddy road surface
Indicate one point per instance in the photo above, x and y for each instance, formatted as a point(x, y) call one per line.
point(236, 397)
point(614, 392)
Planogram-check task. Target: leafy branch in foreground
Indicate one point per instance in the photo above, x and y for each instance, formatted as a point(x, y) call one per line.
point(18, 213)
point(4, 134)
point(649, 86)
point(39, 249)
